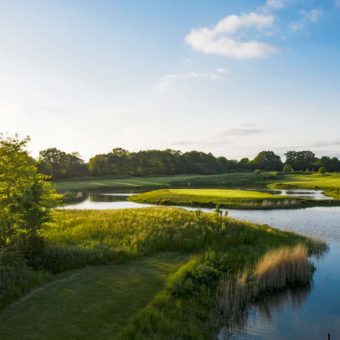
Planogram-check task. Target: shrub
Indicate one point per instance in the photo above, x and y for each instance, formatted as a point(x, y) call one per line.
point(322, 170)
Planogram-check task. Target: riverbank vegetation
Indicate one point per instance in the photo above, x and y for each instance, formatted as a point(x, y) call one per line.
point(277, 269)
point(206, 249)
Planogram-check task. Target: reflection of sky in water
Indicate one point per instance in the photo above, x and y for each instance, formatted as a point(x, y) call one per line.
point(319, 311)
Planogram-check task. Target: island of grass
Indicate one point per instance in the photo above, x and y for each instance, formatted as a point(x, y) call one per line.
point(224, 198)
point(151, 273)
point(329, 183)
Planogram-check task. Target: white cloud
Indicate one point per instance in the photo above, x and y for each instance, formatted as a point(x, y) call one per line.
point(170, 79)
point(296, 26)
point(275, 3)
point(221, 40)
point(312, 15)
point(307, 17)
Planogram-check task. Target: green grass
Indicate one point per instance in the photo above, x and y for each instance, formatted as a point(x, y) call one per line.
point(328, 182)
point(213, 197)
point(129, 183)
point(149, 293)
point(91, 303)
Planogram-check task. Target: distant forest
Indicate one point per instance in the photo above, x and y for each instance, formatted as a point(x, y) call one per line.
point(120, 162)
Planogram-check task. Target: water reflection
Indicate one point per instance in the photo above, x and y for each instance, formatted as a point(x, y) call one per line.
point(266, 308)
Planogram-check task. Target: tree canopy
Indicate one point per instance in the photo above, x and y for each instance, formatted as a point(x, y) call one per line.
point(25, 202)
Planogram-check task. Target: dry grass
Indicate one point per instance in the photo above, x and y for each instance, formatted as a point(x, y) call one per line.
point(277, 269)
point(282, 267)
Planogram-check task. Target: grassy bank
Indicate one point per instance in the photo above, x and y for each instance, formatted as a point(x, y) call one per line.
point(239, 199)
point(166, 281)
point(330, 183)
point(95, 302)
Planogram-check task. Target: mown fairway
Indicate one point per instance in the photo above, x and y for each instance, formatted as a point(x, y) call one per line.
point(104, 182)
point(226, 180)
point(91, 303)
point(328, 182)
point(208, 197)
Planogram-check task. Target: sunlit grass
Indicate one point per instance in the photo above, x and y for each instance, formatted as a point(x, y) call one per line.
point(130, 298)
point(213, 197)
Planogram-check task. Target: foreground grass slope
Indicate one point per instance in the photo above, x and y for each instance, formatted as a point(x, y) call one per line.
point(167, 296)
point(212, 197)
point(95, 302)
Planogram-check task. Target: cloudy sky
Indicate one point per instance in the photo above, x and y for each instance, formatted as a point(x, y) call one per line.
point(228, 76)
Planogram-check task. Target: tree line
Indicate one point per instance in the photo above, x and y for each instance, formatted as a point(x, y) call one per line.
point(120, 162)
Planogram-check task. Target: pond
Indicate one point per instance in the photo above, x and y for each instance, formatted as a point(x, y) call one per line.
point(300, 314)
point(118, 200)
point(310, 314)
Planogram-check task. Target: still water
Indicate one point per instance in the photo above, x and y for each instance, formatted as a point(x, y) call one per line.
point(303, 314)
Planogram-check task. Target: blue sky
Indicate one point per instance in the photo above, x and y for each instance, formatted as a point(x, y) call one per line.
point(232, 77)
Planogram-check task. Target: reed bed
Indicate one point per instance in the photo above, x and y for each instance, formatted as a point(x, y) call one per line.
point(277, 269)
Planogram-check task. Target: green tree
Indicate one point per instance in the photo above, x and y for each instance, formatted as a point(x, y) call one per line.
point(301, 160)
point(268, 161)
point(288, 169)
point(59, 164)
point(26, 199)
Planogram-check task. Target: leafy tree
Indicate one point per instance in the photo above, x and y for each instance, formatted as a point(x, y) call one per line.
point(288, 169)
point(301, 160)
point(25, 202)
point(59, 164)
point(267, 160)
point(330, 164)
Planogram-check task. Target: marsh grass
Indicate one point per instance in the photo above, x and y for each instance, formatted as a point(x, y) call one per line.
point(217, 249)
point(284, 266)
point(276, 270)
point(78, 238)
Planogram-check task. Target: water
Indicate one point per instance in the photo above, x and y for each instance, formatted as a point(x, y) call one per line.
point(299, 193)
point(105, 201)
point(304, 314)
point(318, 313)
point(118, 200)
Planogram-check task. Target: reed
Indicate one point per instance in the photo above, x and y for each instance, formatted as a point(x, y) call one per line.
point(277, 269)
point(284, 266)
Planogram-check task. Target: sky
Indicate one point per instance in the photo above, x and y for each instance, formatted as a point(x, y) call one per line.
point(231, 77)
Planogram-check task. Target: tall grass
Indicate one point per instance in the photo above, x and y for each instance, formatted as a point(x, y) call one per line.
point(281, 267)
point(222, 247)
point(277, 269)
point(78, 238)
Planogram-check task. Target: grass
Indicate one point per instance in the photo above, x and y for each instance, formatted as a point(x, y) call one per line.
point(114, 182)
point(95, 302)
point(149, 293)
point(216, 197)
point(330, 183)
point(276, 270)
point(283, 266)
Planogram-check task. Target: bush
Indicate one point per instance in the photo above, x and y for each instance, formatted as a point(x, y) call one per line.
point(322, 170)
